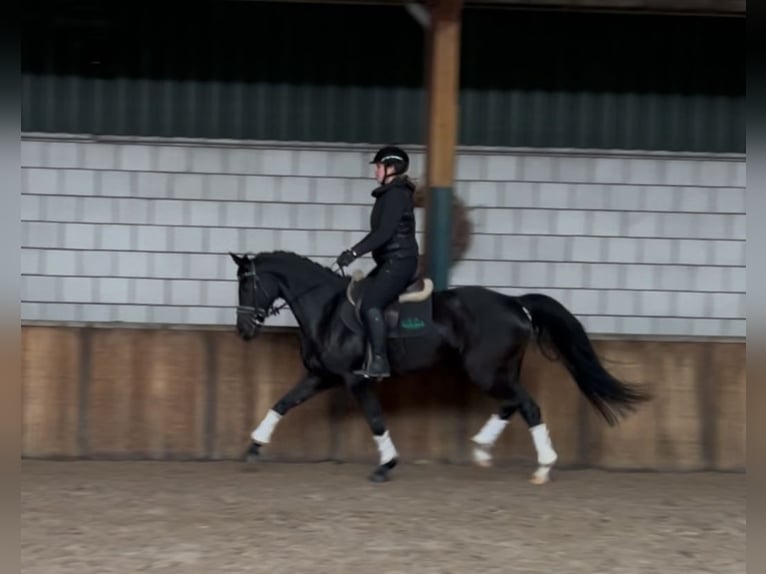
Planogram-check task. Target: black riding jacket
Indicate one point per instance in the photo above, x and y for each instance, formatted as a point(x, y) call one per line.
point(392, 222)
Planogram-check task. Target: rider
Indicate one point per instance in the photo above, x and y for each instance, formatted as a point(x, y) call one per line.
point(394, 248)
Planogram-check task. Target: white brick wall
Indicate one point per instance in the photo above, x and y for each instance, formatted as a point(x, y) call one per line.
point(138, 231)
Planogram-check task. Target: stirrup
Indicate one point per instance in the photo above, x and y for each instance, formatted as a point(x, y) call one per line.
point(366, 371)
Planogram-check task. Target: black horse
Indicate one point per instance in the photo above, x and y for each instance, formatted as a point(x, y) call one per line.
point(482, 331)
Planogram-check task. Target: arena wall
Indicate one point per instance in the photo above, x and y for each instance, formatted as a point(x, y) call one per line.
point(190, 393)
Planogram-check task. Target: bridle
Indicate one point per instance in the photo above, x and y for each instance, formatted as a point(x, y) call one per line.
point(255, 314)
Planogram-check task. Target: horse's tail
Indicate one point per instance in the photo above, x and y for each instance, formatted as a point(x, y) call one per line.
point(556, 327)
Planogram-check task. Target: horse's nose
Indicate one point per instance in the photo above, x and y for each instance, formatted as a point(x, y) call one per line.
point(247, 331)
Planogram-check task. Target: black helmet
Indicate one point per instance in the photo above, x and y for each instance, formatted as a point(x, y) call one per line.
point(392, 155)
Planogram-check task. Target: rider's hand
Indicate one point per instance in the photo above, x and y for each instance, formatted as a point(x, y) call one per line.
point(345, 258)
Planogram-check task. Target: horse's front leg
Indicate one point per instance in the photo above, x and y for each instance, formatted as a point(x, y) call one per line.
point(309, 386)
point(373, 413)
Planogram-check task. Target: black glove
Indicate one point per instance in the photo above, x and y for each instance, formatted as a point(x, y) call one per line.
point(345, 258)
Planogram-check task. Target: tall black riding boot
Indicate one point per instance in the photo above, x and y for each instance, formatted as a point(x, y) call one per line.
point(376, 365)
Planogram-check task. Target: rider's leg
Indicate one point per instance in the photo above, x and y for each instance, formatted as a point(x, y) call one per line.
point(376, 360)
point(390, 280)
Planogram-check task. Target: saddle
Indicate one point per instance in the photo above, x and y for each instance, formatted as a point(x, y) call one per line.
point(408, 315)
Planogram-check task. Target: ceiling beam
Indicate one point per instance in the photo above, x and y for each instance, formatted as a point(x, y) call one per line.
point(707, 7)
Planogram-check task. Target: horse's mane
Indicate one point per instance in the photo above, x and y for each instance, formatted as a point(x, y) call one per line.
point(274, 260)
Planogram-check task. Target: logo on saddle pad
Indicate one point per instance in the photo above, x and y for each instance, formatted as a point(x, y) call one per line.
point(412, 323)
point(409, 314)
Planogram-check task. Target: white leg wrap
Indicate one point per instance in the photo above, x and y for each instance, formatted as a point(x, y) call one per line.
point(262, 434)
point(485, 438)
point(545, 453)
point(385, 447)
point(490, 431)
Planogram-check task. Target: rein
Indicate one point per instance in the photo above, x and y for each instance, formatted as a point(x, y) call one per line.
point(258, 315)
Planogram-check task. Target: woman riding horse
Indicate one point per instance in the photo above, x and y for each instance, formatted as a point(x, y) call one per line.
point(394, 248)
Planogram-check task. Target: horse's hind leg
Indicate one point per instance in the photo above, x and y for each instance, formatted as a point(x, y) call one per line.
point(494, 382)
point(546, 455)
point(507, 389)
point(484, 440)
point(496, 385)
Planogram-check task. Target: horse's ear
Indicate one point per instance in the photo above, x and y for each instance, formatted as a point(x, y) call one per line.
point(237, 259)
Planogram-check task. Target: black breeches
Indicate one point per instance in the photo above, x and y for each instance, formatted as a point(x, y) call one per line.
point(387, 281)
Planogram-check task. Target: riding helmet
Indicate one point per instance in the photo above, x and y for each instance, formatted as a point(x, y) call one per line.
point(393, 155)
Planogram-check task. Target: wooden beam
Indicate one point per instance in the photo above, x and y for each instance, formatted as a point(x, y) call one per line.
point(443, 86)
point(443, 82)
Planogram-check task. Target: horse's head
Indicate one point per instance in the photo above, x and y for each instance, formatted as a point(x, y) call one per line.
point(257, 293)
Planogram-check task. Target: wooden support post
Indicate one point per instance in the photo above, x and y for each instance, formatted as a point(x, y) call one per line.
point(443, 72)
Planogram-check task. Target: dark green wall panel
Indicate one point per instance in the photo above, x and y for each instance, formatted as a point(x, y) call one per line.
point(287, 71)
point(196, 109)
point(590, 120)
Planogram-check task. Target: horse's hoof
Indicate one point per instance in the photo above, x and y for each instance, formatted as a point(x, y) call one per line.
point(541, 476)
point(482, 457)
point(253, 453)
point(380, 474)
